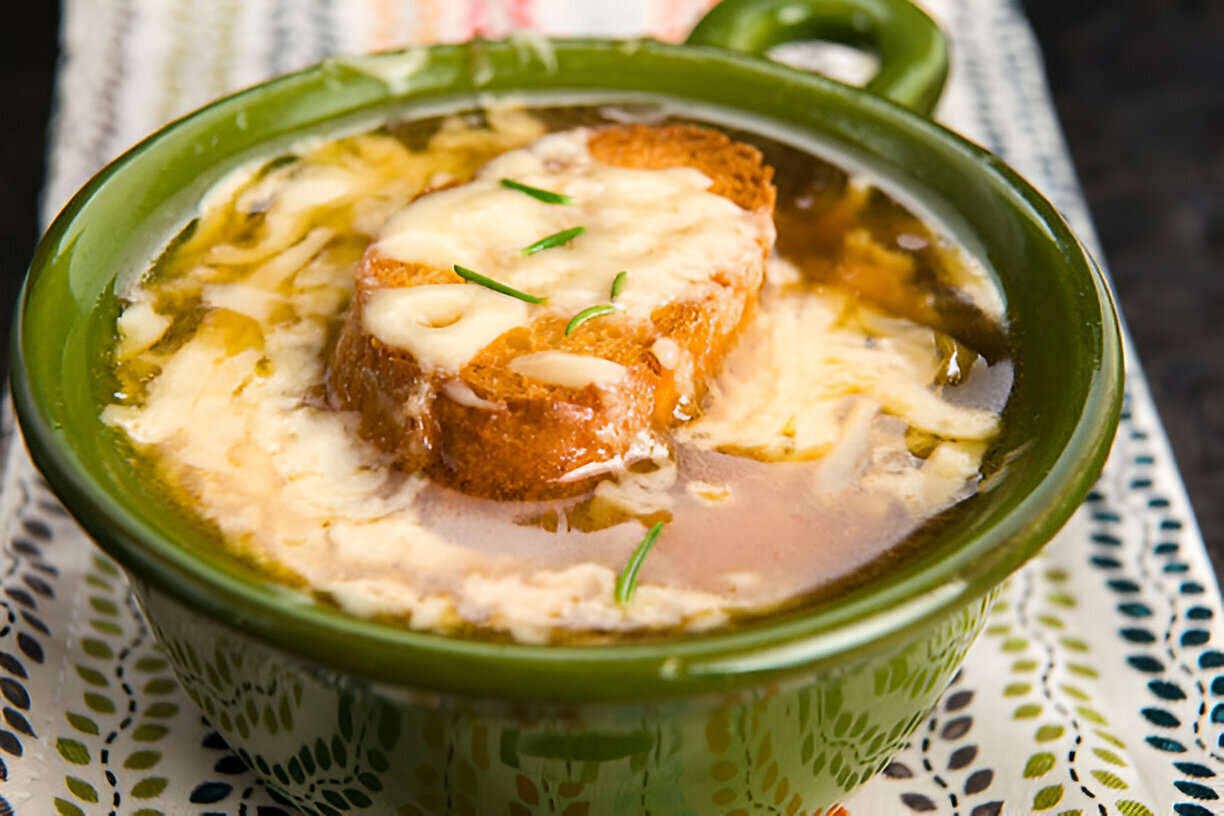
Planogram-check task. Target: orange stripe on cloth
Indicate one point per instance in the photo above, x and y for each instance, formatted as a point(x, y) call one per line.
point(386, 33)
point(428, 26)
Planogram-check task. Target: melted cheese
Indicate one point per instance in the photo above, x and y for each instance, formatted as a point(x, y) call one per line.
point(139, 328)
point(776, 404)
point(568, 369)
point(442, 325)
point(661, 226)
point(668, 352)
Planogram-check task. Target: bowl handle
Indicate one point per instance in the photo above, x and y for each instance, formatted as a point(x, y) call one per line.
point(912, 50)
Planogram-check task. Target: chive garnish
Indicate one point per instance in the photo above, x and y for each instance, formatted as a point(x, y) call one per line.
point(489, 283)
point(546, 196)
point(618, 283)
point(554, 240)
point(588, 313)
point(627, 581)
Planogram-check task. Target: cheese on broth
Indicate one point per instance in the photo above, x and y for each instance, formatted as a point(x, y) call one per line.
point(842, 421)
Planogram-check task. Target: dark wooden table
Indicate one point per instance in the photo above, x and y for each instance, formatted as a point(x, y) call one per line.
point(1139, 86)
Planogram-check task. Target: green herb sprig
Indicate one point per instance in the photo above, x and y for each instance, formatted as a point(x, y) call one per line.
point(586, 314)
point(547, 196)
point(599, 309)
point(555, 240)
point(489, 283)
point(627, 581)
point(618, 283)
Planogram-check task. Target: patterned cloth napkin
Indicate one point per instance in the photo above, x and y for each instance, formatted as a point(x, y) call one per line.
point(1097, 686)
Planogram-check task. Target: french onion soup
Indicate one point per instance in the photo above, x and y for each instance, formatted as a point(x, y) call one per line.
point(562, 374)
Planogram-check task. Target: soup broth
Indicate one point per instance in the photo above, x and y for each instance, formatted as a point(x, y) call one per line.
point(854, 410)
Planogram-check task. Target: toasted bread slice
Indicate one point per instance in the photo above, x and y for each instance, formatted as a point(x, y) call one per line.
point(502, 426)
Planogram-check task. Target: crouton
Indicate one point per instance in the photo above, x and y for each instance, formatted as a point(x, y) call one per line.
point(547, 403)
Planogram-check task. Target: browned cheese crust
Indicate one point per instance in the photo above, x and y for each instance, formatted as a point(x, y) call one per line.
point(539, 432)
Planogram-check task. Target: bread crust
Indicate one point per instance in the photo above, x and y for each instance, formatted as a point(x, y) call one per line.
point(494, 433)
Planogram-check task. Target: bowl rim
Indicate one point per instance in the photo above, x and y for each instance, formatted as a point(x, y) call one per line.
point(657, 669)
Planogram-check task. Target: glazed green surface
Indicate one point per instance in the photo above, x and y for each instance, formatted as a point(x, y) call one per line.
point(323, 740)
point(1058, 424)
point(912, 52)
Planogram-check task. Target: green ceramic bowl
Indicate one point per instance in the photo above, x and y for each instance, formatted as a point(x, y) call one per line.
point(342, 714)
